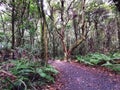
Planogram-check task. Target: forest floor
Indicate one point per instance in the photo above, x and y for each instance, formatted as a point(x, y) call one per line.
point(74, 76)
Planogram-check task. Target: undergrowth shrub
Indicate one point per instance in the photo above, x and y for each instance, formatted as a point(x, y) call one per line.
point(29, 75)
point(115, 55)
point(111, 61)
point(93, 59)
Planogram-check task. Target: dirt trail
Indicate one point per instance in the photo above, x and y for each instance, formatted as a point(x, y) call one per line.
point(80, 77)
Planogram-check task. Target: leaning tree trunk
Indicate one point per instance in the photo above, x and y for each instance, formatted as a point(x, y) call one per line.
point(68, 51)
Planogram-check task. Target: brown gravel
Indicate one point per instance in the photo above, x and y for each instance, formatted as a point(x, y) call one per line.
point(74, 76)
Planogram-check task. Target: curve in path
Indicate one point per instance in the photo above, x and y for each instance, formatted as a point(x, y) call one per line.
point(78, 77)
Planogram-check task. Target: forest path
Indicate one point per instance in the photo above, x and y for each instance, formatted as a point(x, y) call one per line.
point(73, 76)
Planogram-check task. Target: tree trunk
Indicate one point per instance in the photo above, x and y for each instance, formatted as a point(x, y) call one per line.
point(118, 25)
point(18, 38)
point(68, 51)
point(44, 39)
point(13, 29)
point(54, 47)
point(108, 41)
point(75, 27)
point(119, 36)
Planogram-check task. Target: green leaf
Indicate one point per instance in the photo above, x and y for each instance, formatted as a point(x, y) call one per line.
point(2, 33)
point(43, 74)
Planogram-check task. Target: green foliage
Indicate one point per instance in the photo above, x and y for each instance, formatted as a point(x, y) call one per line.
point(30, 74)
point(93, 59)
point(102, 60)
point(115, 56)
point(5, 45)
point(33, 7)
point(114, 67)
point(56, 5)
point(47, 72)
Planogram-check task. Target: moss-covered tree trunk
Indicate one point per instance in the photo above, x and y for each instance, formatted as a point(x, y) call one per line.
point(44, 39)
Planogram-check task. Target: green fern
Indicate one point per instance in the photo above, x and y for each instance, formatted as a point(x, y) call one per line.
point(93, 59)
point(96, 58)
point(28, 73)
